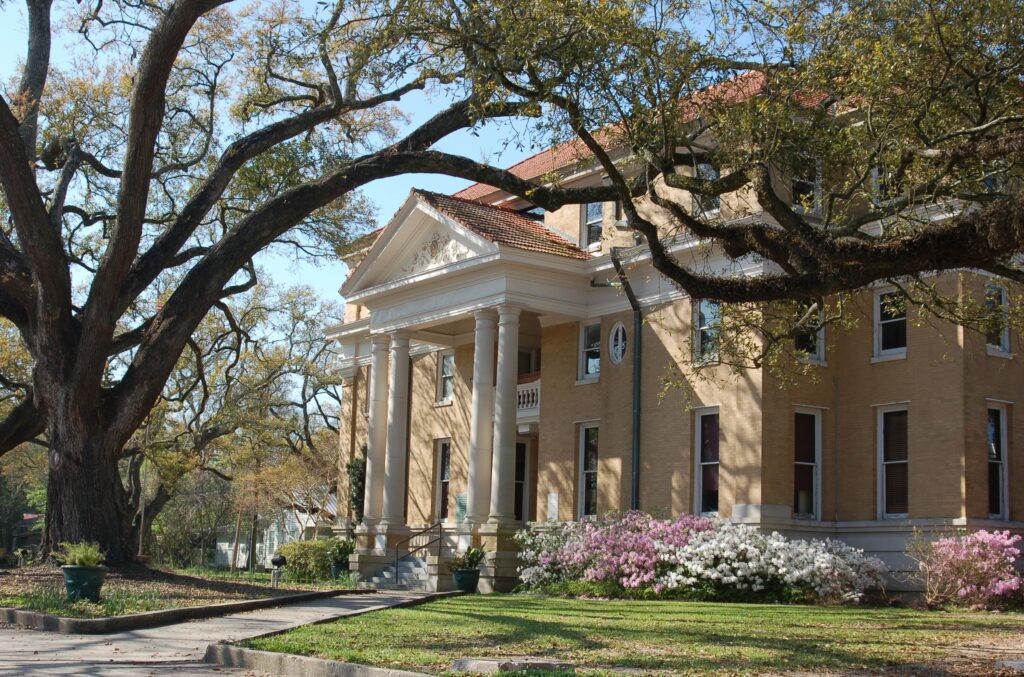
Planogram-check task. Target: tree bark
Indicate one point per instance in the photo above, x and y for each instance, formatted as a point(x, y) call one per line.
point(86, 499)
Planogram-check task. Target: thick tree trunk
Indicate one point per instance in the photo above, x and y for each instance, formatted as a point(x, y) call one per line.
point(85, 495)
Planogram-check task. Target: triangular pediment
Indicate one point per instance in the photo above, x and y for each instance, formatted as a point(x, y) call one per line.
point(417, 240)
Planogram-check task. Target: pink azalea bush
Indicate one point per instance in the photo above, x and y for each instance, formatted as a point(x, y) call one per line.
point(636, 554)
point(975, 570)
point(624, 548)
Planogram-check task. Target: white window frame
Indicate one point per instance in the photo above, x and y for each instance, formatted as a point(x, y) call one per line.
point(890, 353)
point(585, 228)
point(698, 348)
point(818, 357)
point(581, 358)
point(698, 208)
point(1004, 488)
point(816, 206)
point(439, 397)
point(581, 489)
point(527, 469)
point(438, 443)
point(816, 413)
point(1003, 349)
point(698, 465)
point(880, 413)
point(618, 330)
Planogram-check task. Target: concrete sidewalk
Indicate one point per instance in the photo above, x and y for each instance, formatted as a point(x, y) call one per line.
point(172, 649)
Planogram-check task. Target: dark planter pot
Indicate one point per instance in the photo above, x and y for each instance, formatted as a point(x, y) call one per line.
point(83, 582)
point(337, 570)
point(466, 580)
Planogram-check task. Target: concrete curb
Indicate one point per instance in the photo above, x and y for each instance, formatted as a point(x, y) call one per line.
point(290, 665)
point(101, 626)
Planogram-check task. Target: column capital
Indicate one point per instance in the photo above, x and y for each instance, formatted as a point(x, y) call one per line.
point(507, 310)
point(484, 314)
point(399, 337)
point(380, 340)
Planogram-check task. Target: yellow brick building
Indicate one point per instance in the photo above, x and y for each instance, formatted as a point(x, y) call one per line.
point(491, 367)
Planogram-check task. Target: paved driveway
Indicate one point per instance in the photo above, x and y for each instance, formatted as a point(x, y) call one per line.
point(172, 649)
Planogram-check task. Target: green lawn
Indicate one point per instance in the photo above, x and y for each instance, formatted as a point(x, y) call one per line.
point(602, 637)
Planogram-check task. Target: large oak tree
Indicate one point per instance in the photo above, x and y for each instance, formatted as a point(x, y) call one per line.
point(140, 181)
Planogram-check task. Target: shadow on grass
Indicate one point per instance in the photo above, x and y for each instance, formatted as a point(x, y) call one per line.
point(666, 636)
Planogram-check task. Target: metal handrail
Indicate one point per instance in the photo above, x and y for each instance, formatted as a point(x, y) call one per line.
point(437, 539)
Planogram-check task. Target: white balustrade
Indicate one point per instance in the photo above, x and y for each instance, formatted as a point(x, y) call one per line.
point(528, 401)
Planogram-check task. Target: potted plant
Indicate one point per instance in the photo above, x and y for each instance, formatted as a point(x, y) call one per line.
point(83, 575)
point(465, 569)
point(339, 551)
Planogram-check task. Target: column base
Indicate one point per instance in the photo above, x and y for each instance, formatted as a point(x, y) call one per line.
point(501, 572)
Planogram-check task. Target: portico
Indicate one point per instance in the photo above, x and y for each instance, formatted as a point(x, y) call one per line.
point(434, 284)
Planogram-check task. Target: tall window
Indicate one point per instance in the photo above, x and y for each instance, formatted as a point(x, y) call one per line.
point(590, 352)
point(998, 335)
point(707, 463)
point(445, 377)
point(890, 324)
point(520, 497)
point(997, 464)
point(444, 467)
point(593, 224)
point(708, 205)
point(806, 186)
point(895, 475)
point(707, 329)
point(810, 345)
point(806, 455)
point(588, 471)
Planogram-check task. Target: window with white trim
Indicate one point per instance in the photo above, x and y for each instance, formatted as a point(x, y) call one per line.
point(707, 205)
point(893, 452)
point(890, 324)
point(997, 337)
point(588, 470)
point(521, 489)
point(589, 367)
point(593, 225)
point(617, 343)
point(444, 474)
point(445, 377)
point(810, 345)
point(997, 463)
point(806, 186)
point(707, 446)
point(707, 320)
point(807, 464)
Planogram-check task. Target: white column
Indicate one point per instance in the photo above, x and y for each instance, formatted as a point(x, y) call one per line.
point(481, 416)
point(377, 409)
point(397, 432)
point(504, 464)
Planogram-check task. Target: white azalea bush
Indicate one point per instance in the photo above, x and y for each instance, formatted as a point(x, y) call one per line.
point(737, 558)
point(636, 555)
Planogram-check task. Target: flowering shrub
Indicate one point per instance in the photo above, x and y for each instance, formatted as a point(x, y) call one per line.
point(624, 548)
point(975, 570)
point(737, 557)
point(552, 554)
point(635, 554)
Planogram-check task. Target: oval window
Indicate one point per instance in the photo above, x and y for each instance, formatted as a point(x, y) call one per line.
point(617, 343)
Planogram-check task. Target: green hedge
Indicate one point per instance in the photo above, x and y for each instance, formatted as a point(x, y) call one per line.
point(310, 561)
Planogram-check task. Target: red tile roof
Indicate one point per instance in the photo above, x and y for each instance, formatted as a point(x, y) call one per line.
point(740, 88)
point(502, 226)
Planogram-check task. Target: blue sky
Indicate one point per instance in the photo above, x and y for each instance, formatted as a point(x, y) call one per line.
point(487, 144)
